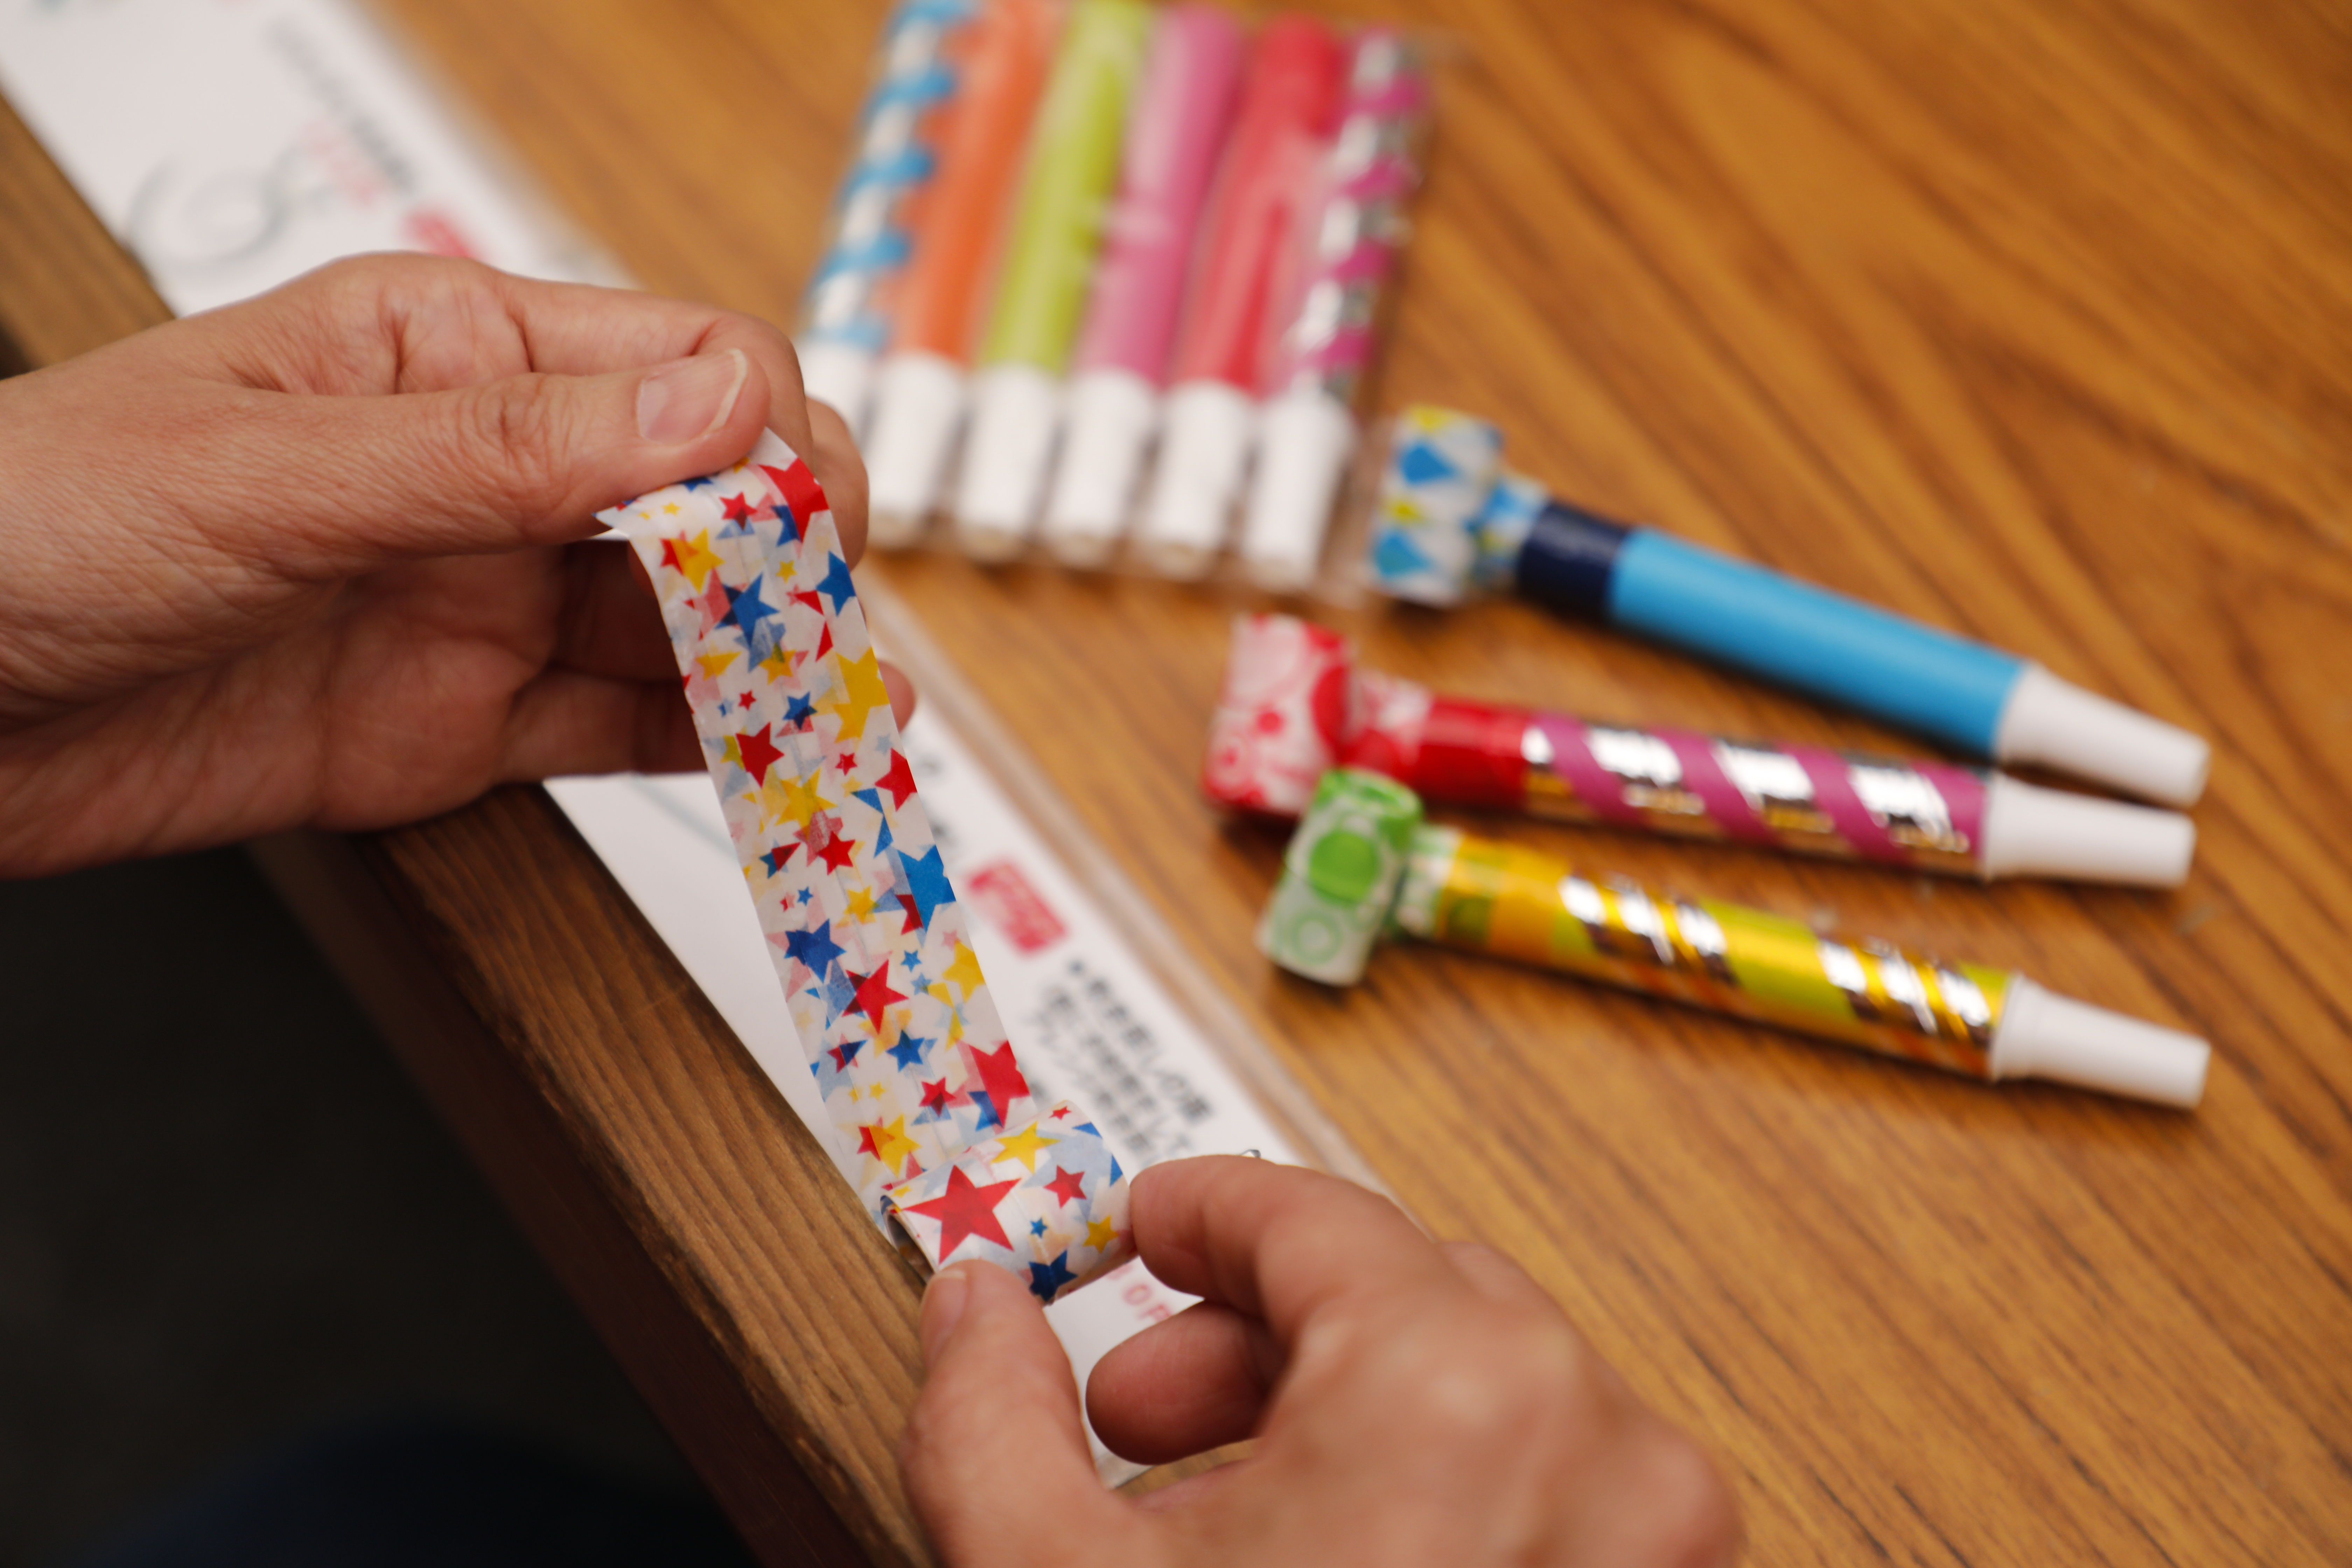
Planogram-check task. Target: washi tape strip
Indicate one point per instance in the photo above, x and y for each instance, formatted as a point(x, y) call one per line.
point(865, 930)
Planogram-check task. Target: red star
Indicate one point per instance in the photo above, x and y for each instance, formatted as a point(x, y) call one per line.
point(935, 1097)
point(1000, 1080)
point(740, 510)
point(811, 600)
point(966, 1209)
point(874, 994)
point(712, 603)
point(837, 847)
point(759, 751)
point(746, 699)
point(1060, 1111)
point(669, 554)
point(899, 781)
point(1067, 1185)
point(914, 920)
point(825, 642)
point(800, 489)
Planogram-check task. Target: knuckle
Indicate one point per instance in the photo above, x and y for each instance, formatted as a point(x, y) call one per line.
point(511, 439)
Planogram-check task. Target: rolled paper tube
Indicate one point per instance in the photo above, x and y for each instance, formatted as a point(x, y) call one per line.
point(1439, 480)
point(919, 392)
point(867, 937)
point(1288, 709)
point(1269, 172)
point(846, 318)
point(1284, 709)
point(1978, 700)
point(1179, 121)
point(1049, 258)
point(1307, 428)
point(1339, 876)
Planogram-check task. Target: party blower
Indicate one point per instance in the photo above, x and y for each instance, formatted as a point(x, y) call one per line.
point(1363, 861)
point(1049, 258)
point(1448, 519)
point(1181, 113)
point(1307, 429)
point(1295, 704)
point(845, 318)
point(920, 391)
point(1290, 92)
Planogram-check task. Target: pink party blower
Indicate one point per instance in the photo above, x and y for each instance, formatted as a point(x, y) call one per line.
point(1269, 172)
point(1177, 128)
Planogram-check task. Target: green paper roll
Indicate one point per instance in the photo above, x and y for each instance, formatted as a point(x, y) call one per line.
point(1339, 876)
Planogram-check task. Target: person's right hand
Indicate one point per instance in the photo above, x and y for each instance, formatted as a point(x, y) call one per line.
point(1413, 1403)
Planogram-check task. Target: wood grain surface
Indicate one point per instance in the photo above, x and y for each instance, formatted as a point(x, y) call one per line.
point(2033, 322)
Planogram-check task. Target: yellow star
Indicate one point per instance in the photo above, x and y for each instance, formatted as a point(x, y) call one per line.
point(693, 557)
point(669, 508)
point(785, 796)
point(861, 904)
point(715, 664)
point(778, 662)
point(1100, 1234)
point(1024, 1146)
point(965, 970)
point(886, 1142)
point(861, 680)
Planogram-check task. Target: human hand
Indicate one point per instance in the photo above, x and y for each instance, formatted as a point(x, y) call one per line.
point(1413, 1403)
point(319, 558)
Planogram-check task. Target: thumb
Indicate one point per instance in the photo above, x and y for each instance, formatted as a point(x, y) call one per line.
point(995, 1455)
point(525, 460)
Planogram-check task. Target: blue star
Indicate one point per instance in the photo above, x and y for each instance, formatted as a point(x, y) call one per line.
point(696, 484)
point(872, 797)
point(805, 895)
point(839, 992)
point(774, 860)
point(1046, 1279)
point(746, 610)
point(799, 711)
point(908, 1052)
point(842, 1054)
point(836, 582)
point(815, 946)
point(883, 842)
point(988, 1117)
point(1036, 1227)
point(927, 882)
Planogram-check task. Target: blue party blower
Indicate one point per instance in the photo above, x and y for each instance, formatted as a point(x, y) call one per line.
point(1450, 521)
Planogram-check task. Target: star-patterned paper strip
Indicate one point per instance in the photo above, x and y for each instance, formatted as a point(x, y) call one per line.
point(865, 930)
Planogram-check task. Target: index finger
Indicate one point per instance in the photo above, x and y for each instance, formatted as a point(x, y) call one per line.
point(1275, 1242)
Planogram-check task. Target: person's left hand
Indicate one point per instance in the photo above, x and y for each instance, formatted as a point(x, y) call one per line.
point(317, 558)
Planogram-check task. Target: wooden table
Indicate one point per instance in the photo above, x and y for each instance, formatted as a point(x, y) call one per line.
point(2033, 325)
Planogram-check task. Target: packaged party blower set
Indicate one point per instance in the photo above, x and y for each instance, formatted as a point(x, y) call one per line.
point(1105, 277)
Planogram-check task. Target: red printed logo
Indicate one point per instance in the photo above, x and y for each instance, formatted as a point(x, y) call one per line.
point(1009, 903)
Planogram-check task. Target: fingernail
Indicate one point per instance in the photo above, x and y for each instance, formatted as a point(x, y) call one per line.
point(943, 1304)
point(688, 399)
